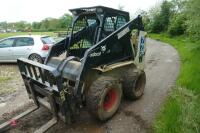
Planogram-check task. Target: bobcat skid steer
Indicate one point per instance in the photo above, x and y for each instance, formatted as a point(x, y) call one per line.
point(103, 59)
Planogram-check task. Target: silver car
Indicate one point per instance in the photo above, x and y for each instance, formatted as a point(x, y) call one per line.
point(33, 47)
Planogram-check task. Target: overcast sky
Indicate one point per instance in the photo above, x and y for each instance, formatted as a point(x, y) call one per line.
point(36, 10)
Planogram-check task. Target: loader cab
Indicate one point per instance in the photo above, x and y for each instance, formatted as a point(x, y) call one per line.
point(93, 24)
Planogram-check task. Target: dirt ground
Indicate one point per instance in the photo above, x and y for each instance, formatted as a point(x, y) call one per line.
point(162, 68)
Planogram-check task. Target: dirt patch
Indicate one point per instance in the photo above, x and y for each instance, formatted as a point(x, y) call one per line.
point(13, 97)
point(10, 80)
point(143, 124)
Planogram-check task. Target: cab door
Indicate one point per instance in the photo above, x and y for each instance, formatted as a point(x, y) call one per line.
point(6, 50)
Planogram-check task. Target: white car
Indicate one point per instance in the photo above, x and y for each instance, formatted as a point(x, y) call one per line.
point(33, 47)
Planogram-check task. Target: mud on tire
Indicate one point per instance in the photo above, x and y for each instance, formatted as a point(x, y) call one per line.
point(104, 97)
point(134, 84)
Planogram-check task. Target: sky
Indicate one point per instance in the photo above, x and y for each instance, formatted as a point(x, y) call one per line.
point(36, 10)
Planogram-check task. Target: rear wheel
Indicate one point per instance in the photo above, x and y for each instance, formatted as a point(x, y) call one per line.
point(36, 57)
point(104, 97)
point(134, 84)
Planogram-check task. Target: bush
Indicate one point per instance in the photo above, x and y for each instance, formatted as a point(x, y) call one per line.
point(177, 25)
point(160, 20)
point(193, 21)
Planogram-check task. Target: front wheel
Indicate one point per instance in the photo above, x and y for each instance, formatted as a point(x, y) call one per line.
point(104, 97)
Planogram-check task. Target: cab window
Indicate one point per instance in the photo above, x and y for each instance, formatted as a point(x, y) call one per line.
point(109, 24)
point(120, 22)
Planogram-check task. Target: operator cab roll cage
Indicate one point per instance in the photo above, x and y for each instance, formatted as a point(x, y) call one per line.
point(100, 13)
point(91, 25)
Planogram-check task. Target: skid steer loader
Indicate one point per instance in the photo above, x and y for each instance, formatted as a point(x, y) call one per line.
point(104, 59)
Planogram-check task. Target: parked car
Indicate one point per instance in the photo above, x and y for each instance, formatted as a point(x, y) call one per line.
point(33, 47)
point(2, 31)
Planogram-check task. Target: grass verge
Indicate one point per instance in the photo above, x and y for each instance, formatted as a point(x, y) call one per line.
point(181, 111)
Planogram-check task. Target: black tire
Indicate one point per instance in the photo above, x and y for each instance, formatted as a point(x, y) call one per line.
point(134, 84)
point(104, 98)
point(36, 57)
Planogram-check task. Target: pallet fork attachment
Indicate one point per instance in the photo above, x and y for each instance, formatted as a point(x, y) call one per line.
point(38, 102)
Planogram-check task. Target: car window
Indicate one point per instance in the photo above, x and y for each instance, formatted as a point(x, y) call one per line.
point(47, 40)
point(6, 43)
point(24, 41)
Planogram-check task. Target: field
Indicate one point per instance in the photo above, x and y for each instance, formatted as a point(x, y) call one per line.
point(4, 35)
point(181, 111)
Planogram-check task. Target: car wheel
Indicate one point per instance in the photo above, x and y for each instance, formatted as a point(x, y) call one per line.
point(36, 57)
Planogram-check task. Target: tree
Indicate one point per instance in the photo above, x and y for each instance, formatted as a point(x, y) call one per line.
point(36, 25)
point(3, 25)
point(160, 17)
point(48, 24)
point(54, 24)
point(178, 6)
point(178, 19)
point(65, 20)
point(44, 24)
point(166, 12)
point(193, 15)
point(21, 26)
point(177, 25)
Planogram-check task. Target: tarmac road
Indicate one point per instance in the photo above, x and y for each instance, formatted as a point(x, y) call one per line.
point(162, 68)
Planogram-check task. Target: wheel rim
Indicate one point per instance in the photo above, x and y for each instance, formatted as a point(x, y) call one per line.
point(35, 58)
point(110, 99)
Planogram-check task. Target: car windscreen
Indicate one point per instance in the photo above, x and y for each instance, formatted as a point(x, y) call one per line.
point(47, 40)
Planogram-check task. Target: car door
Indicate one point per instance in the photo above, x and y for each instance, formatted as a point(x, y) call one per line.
point(22, 47)
point(5, 49)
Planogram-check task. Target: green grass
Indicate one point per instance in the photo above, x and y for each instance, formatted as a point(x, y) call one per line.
point(181, 111)
point(3, 79)
point(4, 35)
